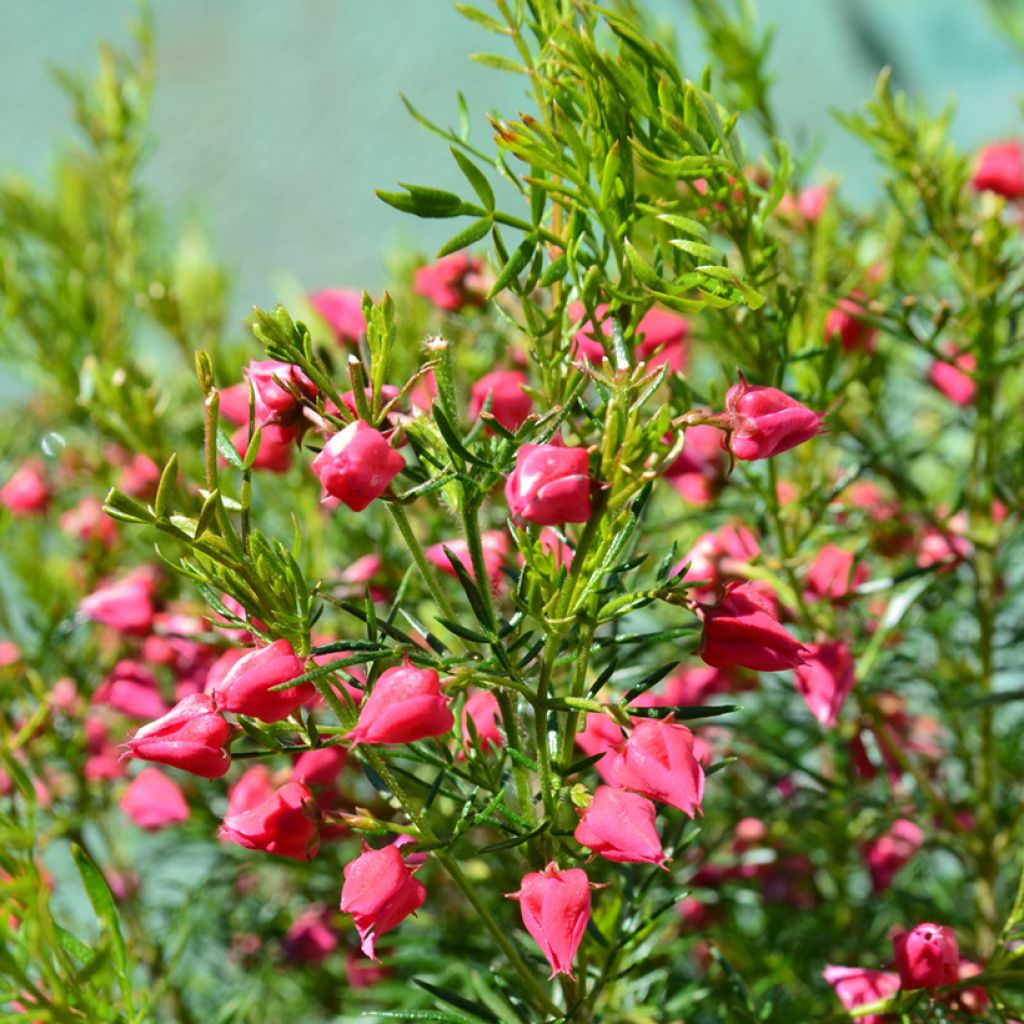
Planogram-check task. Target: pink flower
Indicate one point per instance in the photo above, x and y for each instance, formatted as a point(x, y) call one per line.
point(26, 492)
point(556, 908)
point(285, 824)
point(140, 476)
point(125, 605)
point(886, 855)
point(452, 282)
point(191, 736)
point(831, 575)
point(1000, 169)
point(952, 378)
point(481, 708)
point(248, 686)
point(510, 403)
point(495, 548)
point(846, 322)
point(251, 789)
point(88, 522)
point(275, 385)
point(856, 987)
point(319, 767)
point(825, 678)
point(927, 956)
point(343, 311)
point(153, 801)
point(742, 629)
point(658, 761)
point(276, 447)
point(379, 892)
point(660, 336)
point(718, 558)
point(550, 485)
point(601, 736)
point(766, 421)
point(619, 826)
point(357, 465)
point(698, 473)
point(811, 202)
point(310, 939)
point(405, 705)
point(133, 690)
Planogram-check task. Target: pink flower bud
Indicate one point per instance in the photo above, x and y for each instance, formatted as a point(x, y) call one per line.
point(153, 801)
point(766, 421)
point(927, 956)
point(811, 202)
point(952, 378)
point(125, 605)
point(88, 523)
point(405, 705)
point(481, 708)
point(831, 575)
point(718, 558)
point(343, 311)
point(274, 402)
point(319, 767)
point(556, 908)
point(140, 477)
point(846, 322)
point(310, 939)
point(658, 761)
point(191, 736)
point(379, 892)
point(510, 404)
point(133, 690)
point(248, 687)
point(1000, 169)
point(855, 986)
point(824, 679)
point(742, 629)
point(886, 855)
point(452, 282)
point(26, 492)
point(550, 485)
point(285, 824)
point(10, 653)
point(357, 464)
point(252, 788)
point(619, 826)
point(495, 549)
point(699, 471)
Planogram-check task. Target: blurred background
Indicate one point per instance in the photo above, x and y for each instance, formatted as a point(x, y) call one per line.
point(274, 122)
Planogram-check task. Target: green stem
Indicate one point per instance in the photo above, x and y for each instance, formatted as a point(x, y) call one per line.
point(416, 550)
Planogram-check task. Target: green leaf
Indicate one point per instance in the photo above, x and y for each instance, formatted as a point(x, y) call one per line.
point(499, 63)
point(477, 230)
point(423, 202)
point(165, 489)
point(484, 21)
point(454, 999)
point(228, 452)
point(74, 945)
point(102, 901)
point(516, 263)
point(475, 177)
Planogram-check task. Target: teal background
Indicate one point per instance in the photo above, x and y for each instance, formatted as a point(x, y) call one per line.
point(274, 120)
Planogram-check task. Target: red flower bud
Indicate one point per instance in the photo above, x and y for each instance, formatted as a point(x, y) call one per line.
point(658, 761)
point(131, 689)
point(510, 404)
point(277, 444)
point(846, 322)
point(310, 939)
point(742, 629)
point(357, 464)
point(495, 547)
point(824, 679)
point(556, 908)
point(88, 523)
point(927, 956)
point(125, 605)
point(697, 473)
point(1000, 169)
point(550, 485)
point(405, 705)
point(886, 855)
point(343, 310)
point(26, 492)
point(379, 892)
point(191, 736)
point(766, 421)
point(274, 402)
point(952, 378)
point(831, 575)
point(285, 824)
point(716, 558)
point(855, 987)
point(153, 801)
point(452, 282)
point(252, 787)
point(619, 826)
point(248, 687)
point(319, 767)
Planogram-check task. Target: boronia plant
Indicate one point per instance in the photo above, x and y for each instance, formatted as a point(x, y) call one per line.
point(617, 619)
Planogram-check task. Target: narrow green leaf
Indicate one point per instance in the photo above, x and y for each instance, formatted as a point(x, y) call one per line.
point(499, 63)
point(227, 450)
point(516, 263)
point(165, 489)
point(484, 21)
point(477, 230)
point(476, 178)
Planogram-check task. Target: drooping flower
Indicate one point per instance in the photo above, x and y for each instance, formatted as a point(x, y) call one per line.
point(286, 823)
point(192, 736)
point(153, 801)
point(405, 705)
point(619, 826)
point(248, 688)
point(825, 678)
point(886, 855)
point(765, 421)
point(357, 465)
